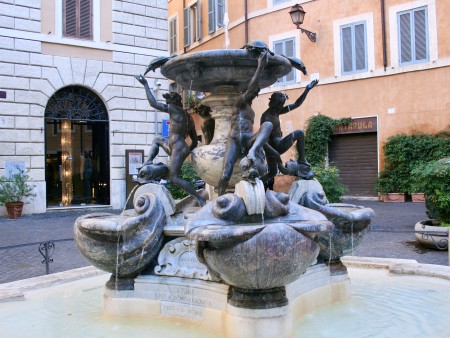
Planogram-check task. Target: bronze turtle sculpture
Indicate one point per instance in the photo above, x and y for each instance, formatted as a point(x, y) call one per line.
point(157, 63)
point(298, 64)
point(258, 46)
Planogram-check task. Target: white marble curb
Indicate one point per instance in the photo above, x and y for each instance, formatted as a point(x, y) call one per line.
point(398, 266)
point(14, 290)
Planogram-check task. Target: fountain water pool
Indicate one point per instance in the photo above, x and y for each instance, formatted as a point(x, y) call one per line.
point(381, 305)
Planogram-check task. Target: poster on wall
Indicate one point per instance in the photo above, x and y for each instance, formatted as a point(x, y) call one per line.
point(134, 162)
point(12, 168)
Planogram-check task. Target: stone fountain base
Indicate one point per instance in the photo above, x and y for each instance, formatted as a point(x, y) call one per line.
point(205, 304)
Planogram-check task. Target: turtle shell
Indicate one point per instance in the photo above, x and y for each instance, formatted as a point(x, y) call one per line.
point(258, 45)
point(157, 62)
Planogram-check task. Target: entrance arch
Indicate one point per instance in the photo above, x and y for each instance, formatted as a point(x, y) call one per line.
point(77, 169)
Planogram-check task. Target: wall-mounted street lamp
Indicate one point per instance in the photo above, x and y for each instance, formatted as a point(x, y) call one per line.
point(298, 15)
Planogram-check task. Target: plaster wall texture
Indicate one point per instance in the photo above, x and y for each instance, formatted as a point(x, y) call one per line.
point(403, 98)
point(36, 61)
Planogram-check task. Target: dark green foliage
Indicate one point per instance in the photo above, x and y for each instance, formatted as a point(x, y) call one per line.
point(329, 179)
point(433, 178)
point(403, 153)
point(319, 129)
point(187, 173)
point(15, 188)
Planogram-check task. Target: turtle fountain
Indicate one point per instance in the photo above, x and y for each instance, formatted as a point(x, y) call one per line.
point(249, 257)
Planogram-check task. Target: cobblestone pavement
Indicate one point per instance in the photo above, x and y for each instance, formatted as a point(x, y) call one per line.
point(392, 236)
point(25, 261)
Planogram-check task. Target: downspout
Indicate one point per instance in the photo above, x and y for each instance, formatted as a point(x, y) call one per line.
point(383, 34)
point(182, 25)
point(246, 20)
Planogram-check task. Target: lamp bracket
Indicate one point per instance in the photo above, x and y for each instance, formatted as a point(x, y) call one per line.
point(310, 35)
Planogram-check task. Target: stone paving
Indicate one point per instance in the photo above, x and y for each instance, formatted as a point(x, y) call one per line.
point(392, 236)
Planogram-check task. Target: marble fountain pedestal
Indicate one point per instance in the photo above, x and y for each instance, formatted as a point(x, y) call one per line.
point(232, 267)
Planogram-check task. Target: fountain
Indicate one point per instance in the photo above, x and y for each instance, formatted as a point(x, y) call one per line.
point(249, 256)
point(249, 263)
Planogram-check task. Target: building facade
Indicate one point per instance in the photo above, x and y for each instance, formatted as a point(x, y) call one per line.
point(383, 63)
point(70, 106)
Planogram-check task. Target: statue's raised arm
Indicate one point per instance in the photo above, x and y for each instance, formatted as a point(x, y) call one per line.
point(151, 98)
point(301, 98)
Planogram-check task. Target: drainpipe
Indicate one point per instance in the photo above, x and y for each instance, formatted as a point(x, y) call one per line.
point(182, 25)
point(383, 34)
point(246, 20)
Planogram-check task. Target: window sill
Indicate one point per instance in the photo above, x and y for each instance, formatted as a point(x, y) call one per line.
point(380, 72)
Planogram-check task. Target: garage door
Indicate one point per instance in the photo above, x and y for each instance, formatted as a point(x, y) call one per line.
point(355, 155)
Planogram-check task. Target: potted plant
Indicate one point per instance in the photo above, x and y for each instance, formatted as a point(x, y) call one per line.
point(434, 179)
point(13, 190)
point(416, 195)
point(389, 186)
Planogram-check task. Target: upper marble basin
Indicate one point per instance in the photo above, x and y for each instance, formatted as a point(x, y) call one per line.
point(207, 70)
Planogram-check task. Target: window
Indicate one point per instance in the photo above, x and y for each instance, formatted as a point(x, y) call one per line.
point(354, 45)
point(77, 19)
point(353, 48)
point(173, 47)
point(276, 2)
point(285, 47)
point(192, 24)
point(413, 36)
point(216, 13)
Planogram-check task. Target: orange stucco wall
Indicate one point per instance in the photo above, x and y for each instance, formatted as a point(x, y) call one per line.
point(417, 99)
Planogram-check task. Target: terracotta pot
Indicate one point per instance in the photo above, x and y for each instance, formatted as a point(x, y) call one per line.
point(431, 235)
point(418, 197)
point(14, 209)
point(394, 197)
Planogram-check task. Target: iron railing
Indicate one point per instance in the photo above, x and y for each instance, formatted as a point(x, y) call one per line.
point(46, 249)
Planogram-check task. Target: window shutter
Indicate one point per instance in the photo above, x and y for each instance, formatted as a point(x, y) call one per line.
point(70, 18)
point(173, 36)
point(187, 30)
point(420, 35)
point(211, 16)
point(220, 12)
point(360, 47)
point(286, 48)
point(85, 19)
point(346, 47)
point(405, 38)
point(278, 48)
point(199, 20)
point(290, 52)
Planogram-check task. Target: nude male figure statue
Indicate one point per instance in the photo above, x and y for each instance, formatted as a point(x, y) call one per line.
point(276, 140)
point(181, 126)
point(241, 140)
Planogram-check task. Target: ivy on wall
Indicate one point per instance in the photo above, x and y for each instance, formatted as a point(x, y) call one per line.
point(319, 129)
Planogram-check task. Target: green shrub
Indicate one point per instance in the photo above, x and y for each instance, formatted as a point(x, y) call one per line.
point(187, 173)
point(433, 178)
point(329, 179)
point(403, 153)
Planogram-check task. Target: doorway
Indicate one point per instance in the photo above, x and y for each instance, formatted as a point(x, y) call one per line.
point(77, 166)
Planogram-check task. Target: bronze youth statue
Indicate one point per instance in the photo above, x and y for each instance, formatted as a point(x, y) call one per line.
point(181, 125)
point(276, 140)
point(241, 140)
